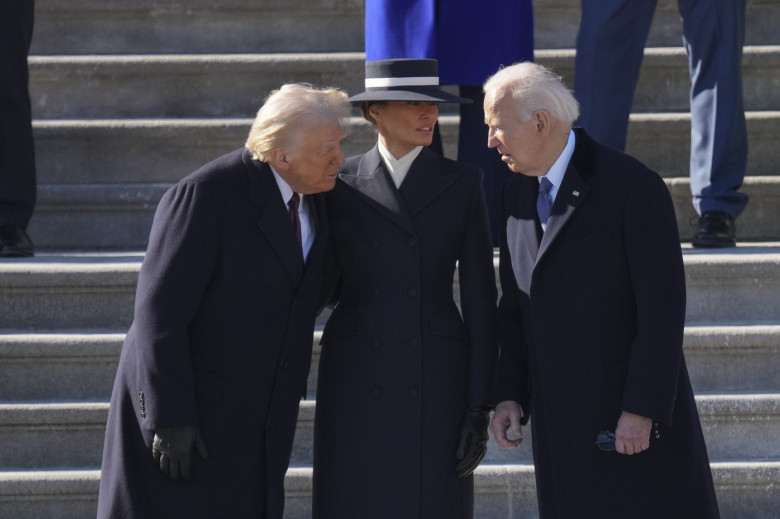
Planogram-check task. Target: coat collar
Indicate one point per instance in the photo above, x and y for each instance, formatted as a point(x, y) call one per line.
point(422, 184)
point(521, 203)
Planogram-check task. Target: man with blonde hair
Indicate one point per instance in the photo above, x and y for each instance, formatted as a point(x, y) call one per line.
point(217, 357)
point(591, 316)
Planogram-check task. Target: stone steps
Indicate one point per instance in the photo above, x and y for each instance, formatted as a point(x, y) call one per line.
point(97, 290)
point(130, 97)
point(236, 26)
point(79, 365)
point(234, 85)
point(745, 491)
point(195, 26)
point(98, 192)
point(164, 150)
point(55, 435)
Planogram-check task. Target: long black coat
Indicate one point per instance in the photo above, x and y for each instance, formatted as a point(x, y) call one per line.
point(398, 363)
point(221, 338)
point(591, 324)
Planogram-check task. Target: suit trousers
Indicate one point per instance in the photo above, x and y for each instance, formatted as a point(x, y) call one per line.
point(17, 151)
point(610, 48)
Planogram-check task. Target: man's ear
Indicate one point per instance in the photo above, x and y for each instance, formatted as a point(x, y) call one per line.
point(542, 121)
point(278, 159)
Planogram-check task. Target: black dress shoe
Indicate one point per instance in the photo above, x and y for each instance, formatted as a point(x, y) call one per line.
point(14, 242)
point(716, 229)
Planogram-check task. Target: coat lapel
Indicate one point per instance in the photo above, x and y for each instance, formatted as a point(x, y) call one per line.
point(425, 181)
point(572, 192)
point(373, 182)
point(522, 227)
point(274, 221)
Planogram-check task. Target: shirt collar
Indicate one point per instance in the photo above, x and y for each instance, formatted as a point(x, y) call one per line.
point(284, 188)
point(398, 168)
point(558, 169)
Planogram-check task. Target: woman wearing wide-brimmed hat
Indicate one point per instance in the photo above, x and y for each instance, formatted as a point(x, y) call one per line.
point(405, 378)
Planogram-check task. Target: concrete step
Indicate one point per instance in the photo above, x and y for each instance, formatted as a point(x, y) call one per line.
point(153, 27)
point(164, 150)
point(69, 291)
point(96, 290)
point(73, 366)
point(234, 85)
point(119, 216)
point(745, 489)
point(68, 435)
point(52, 435)
point(733, 359)
point(96, 191)
point(664, 80)
point(737, 287)
point(79, 366)
point(556, 23)
point(64, 367)
point(205, 85)
point(179, 26)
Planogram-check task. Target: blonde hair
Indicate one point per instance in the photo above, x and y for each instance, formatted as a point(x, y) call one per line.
point(287, 109)
point(534, 87)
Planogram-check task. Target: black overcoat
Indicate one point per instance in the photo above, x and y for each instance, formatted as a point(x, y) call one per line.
point(221, 338)
point(399, 364)
point(591, 324)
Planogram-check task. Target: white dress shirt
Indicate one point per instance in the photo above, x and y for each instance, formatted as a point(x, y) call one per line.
point(307, 231)
point(398, 168)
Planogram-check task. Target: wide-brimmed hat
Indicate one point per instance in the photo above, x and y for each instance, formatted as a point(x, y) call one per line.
point(404, 80)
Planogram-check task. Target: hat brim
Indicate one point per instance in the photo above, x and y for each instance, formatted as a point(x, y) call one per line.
point(409, 94)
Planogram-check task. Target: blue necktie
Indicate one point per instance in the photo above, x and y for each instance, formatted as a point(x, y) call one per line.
point(544, 200)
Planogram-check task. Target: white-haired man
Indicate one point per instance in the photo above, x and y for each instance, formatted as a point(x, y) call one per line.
point(591, 316)
point(216, 360)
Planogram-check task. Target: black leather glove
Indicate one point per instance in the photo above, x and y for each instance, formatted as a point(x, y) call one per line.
point(472, 444)
point(172, 449)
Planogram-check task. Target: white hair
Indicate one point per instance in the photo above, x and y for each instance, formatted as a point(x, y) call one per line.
point(534, 87)
point(289, 108)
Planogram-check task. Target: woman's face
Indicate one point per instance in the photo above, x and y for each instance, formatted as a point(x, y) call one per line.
point(404, 125)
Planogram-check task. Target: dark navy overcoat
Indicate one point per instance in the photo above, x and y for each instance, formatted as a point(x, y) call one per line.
point(399, 361)
point(591, 324)
point(221, 338)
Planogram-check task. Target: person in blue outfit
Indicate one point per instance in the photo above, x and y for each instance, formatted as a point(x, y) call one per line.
point(470, 40)
point(17, 150)
point(610, 47)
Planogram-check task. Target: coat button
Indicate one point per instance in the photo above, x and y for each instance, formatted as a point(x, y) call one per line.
point(285, 364)
point(412, 342)
point(376, 343)
point(375, 244)
point(412, 242)
point(375, 292)
point(376, 391)
point(413, 391)
point(412, 292)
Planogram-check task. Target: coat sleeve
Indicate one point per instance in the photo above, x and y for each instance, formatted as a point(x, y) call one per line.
point(477, 278)
point(657, 274)
point(175, 273)
point(513, 374)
